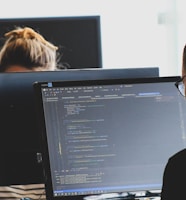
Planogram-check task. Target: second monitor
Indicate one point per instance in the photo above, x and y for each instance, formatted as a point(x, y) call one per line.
point(19, 138)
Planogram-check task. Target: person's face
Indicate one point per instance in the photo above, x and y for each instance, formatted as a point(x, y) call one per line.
point(183, 71)
point(182, 84)
point(184, 74)
point(17, 68)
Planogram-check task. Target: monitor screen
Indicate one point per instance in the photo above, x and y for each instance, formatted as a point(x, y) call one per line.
point(78, 38)
point(19, 138)
point(108, 136)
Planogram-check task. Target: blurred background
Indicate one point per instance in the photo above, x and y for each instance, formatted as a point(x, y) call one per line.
point(145, 33)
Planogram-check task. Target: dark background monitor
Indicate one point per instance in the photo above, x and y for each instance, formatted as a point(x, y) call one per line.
point(78, 38)
point(19, 138)
point(109, 136)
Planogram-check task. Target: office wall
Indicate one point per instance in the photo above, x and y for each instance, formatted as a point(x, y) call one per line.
point(134, 33)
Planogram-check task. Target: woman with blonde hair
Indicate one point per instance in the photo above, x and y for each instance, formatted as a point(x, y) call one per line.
point(26, 50)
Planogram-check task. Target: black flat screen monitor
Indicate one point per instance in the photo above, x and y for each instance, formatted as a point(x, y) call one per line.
point(19, 138)
point(78, 38)
point(108, 136)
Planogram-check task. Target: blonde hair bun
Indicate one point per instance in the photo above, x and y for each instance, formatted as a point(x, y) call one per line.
point(29, 33)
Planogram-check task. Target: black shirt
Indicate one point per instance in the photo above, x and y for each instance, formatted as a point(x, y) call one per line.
point(174, 178)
